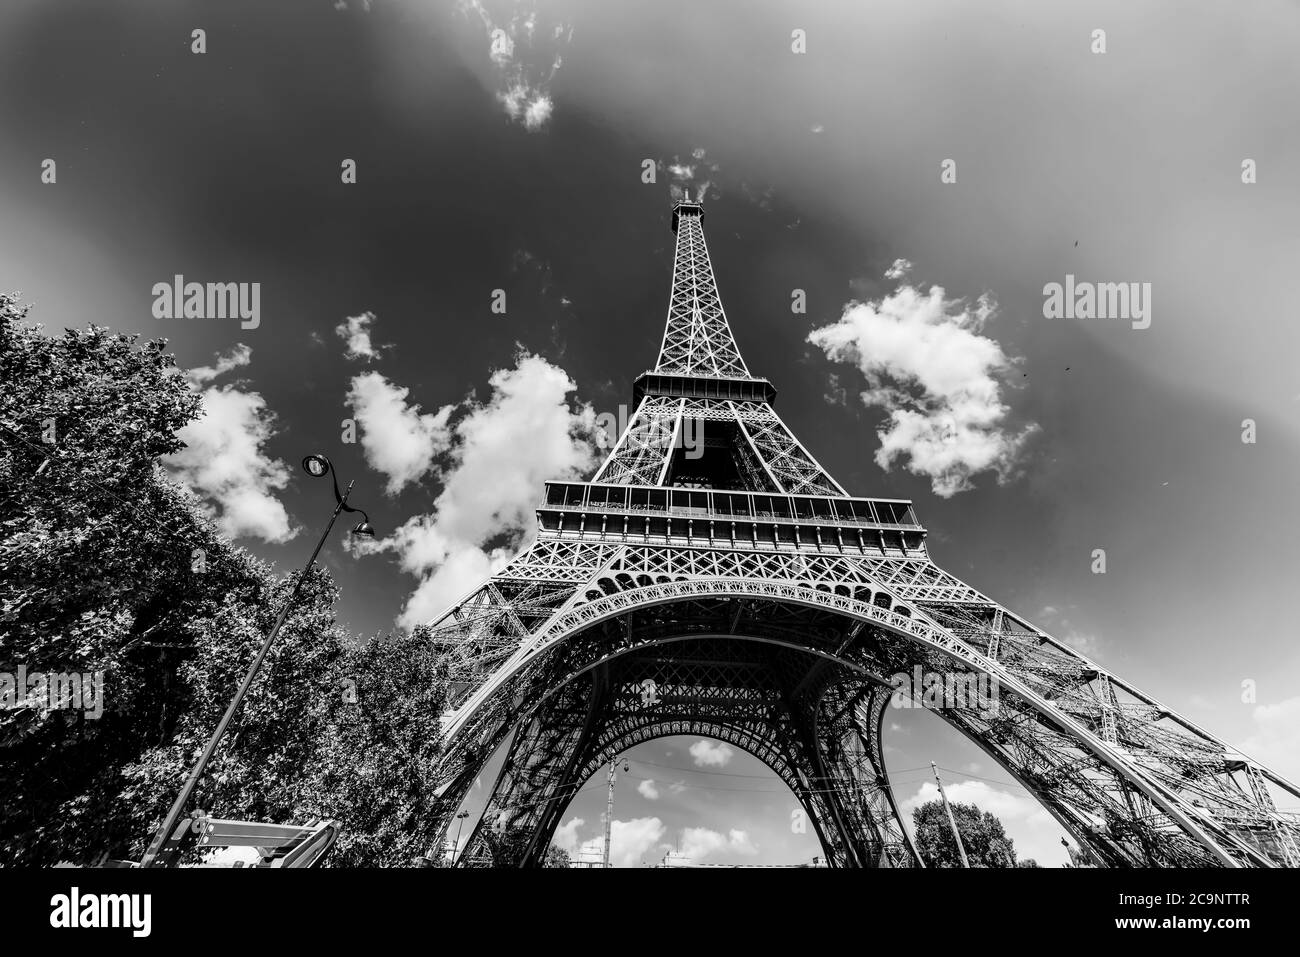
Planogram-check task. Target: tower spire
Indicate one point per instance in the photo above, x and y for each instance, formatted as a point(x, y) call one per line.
point(697, 339)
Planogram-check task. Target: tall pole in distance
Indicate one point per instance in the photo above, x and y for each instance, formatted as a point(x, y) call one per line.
point(460, 822)
point(609, 805)
point(316, 465)
point(961, 848)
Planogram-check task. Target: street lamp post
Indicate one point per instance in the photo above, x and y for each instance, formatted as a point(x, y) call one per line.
point(315, 466)
point(460, 822)
point(609, 804)
point(961, 848)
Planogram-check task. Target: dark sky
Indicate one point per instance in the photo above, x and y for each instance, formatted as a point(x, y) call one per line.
point(822, 168)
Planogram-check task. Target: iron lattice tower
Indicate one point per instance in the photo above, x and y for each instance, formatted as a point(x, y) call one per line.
point(728, 586)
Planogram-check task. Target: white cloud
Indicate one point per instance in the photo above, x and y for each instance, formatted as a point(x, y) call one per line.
point(1003, 805)
point(566, 835)
point(648, 790)
point(537, 112)
point(899, 269)
point(241, 355)
point(1276, 739)
point(525, 61)
point(506, 449)
point(698, 174)
point(398, 439)
point(711, 753)
point(629, 842)
point(529, 106)
point(700, 843)
point(224, 461)
point(498, 456)
point(355, 331)
point(925, 360)
point(447, 578)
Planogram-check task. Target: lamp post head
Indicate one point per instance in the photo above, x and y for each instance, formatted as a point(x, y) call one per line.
point(316, 465)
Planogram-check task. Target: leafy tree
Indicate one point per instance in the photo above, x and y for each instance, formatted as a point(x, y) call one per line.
point(106, 565)
point(986, 843)
point(96, 550)
point(557, 857)
point(264, 766)
point(1027, 862)
point(373, 769)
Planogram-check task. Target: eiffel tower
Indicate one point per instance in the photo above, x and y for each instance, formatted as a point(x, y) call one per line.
point(727, 586)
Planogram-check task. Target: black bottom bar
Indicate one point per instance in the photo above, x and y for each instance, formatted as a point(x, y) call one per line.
point(336, 907)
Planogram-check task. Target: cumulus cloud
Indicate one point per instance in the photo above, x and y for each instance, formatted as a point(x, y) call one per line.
point(355, 331)
point(497, 456)
point(925, 360)
point(714, 754)
point(525, 59)
point(648, 790)
point(566, 835)
point(224, 461)
point(899, 269)
point(396, 437)
point(629, 842)
point(701, 843)
point(1003, 805)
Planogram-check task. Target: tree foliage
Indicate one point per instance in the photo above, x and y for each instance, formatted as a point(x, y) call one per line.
point(982, 834)
point(557, 857)
point(106, 565)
